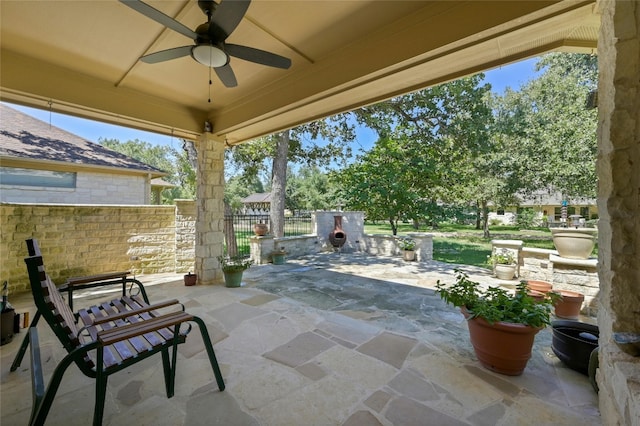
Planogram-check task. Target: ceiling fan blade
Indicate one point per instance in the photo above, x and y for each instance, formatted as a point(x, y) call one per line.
point(226, 75)
point(226, 17)
point(160, 17)
point(167, 55)
point(258, 56)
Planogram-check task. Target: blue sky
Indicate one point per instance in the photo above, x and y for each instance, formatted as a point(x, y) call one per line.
point(513, 75)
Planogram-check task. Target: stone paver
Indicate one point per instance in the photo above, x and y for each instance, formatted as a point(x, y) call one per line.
point(331, 339)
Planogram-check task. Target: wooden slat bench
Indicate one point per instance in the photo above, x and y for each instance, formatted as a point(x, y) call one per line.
point(105, 338)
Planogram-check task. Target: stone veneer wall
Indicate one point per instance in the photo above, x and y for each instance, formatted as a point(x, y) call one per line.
point(619, 205)
point(186, 216)
point(387, 245)
point(377, 245)
point(87, 240)
point(300, 245)
point(352, 224)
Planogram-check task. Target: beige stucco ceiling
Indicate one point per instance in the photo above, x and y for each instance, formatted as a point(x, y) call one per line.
point(81, 57)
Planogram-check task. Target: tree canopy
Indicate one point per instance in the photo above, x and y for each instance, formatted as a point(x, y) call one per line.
point(174, 162)
point(457, 144)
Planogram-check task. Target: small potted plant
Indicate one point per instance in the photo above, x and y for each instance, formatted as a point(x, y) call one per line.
point(408, 247)
point(190, 279)
point(502, 325)
point(232, 268)
point(278, 256)
point(503, 263)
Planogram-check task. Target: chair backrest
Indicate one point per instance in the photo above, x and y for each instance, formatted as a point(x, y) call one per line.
point(52, 305)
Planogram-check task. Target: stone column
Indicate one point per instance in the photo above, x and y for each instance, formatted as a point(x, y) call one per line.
point(618, 167)
point(424, 245)
point(261, 248)
point(209, 209)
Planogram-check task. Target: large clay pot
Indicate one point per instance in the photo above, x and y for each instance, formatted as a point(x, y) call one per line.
point(569, 304)
point(260, 229)
point(538, 296)
point(501, 347)
point(574, 243)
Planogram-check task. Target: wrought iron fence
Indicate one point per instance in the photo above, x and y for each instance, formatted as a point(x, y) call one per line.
point(243, 227)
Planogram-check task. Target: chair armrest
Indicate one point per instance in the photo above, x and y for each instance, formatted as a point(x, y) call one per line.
point(118, 334)
point(133, 312)
point(74, 281)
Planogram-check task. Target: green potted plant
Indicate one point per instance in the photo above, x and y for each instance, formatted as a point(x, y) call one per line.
point(504, 263)
point(502, 325)
point(278, 256)
point(408, 247)
point(232, 268)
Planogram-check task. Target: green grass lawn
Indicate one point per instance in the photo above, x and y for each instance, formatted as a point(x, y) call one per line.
point(465, 245)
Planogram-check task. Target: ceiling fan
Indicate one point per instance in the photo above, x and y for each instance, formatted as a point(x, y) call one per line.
point(210, 48)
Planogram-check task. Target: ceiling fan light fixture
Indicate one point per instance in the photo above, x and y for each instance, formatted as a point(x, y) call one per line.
point(210, 56)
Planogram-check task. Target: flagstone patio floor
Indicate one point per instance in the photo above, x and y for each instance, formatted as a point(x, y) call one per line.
point(329, 339)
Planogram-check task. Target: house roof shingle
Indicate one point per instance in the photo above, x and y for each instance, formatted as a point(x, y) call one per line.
point(27, 138)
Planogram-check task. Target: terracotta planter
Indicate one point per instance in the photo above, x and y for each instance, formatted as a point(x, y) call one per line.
point(260, 229)
point(541, 286)
point(505, 272)
point(502, 347)
point(569, 304)
point(538, 296)
point(190, 279)
point(574, 243)
point(409, 255)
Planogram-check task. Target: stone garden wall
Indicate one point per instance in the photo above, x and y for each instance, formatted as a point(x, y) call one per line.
point(90, 239)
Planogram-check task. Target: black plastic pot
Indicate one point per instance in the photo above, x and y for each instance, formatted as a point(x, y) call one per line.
point(573, 342)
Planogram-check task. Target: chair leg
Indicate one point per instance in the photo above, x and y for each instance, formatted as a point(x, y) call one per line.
point(169, 370)
point(40, 412)
point(25, 343)
point(212, 356)
point(101, 388)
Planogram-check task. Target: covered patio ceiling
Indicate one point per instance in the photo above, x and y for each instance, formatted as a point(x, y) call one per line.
point(82, 57)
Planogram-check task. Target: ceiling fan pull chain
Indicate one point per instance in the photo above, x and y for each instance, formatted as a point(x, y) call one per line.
point(209, 84)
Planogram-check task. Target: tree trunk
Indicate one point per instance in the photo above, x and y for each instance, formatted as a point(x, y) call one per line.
point(229, 232)
point(485, 219)
point(394, 226)
point(279, 183)
point(478, 215)
point(192, 154)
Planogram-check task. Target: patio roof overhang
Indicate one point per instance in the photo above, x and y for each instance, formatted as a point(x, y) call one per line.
point(81, 58)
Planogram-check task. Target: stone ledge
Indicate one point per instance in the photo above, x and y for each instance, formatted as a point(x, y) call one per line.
point(584, 263)
point(515, 244)
point(535, 250)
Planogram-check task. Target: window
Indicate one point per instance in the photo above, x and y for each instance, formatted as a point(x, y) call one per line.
point(500, 212)
point(31, 177)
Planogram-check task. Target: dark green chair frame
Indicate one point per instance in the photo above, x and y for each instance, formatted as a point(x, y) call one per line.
point(141, 324)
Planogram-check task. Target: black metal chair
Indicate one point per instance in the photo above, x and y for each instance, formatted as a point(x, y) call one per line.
point(104, 339)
